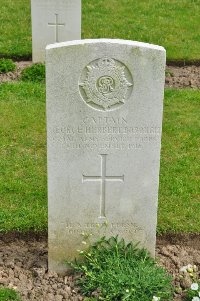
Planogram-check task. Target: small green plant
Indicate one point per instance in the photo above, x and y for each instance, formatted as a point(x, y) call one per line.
point(169, 73)
point(191, 274)
point(34, 73)
point(193, 293)
point(7, 294)
point(7, 65)
point(114, 270)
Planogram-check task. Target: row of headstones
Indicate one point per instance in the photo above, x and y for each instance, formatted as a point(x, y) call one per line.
point(104, 121)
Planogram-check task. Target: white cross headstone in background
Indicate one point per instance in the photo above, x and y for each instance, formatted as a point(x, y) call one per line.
point(56, 25)
point(67, 24)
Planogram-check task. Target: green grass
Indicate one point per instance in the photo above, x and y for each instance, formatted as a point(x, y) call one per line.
point(7, 294)
point(23, 197)
point(179, 201)
point(15, 28)
point(173, 24)
point(7, 65)
point(34, 73)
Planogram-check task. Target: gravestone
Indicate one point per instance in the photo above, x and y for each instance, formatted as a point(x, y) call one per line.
point(53, 21)
point(104, 119)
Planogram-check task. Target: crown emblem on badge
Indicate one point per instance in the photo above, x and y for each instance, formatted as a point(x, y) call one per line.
point(105, 85)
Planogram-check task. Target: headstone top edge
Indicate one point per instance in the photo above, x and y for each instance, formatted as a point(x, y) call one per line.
point(108, 41)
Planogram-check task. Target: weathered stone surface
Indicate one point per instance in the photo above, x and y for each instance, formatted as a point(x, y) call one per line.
point(104, 120)
point(54, 21)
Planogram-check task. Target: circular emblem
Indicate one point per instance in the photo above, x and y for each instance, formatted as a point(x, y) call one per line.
point(105, 84)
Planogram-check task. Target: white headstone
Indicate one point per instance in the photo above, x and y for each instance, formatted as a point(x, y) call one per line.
point(104, 119)
point(54, 21)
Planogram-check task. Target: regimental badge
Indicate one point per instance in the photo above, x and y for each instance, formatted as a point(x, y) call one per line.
point(105, 84)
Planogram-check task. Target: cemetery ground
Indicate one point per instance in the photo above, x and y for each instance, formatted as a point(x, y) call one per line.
point(23, 183)
point(24, 195)
point(23, 159)
point(24, 199)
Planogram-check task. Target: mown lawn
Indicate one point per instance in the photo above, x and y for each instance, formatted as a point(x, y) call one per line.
point(173, 24)
point(179, 198)
point(23, 197)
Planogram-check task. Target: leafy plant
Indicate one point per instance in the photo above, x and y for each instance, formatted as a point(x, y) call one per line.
point(168, 73)
point(7, 294)
point(114, 270)
point(7, 65)
point(193, 293)
point(34, 73)
point(191, 272)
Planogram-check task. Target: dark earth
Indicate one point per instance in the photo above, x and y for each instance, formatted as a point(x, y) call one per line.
point(23, 258)
point(176, 77)
point(23, 266)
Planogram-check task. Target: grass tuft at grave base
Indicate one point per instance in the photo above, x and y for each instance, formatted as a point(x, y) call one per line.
point(23, 184)
point(113, 270)
point(7, 294)
point(172, 24)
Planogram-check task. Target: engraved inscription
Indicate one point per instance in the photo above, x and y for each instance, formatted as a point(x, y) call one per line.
point(114, 228)
point(103, 178)
point(105, 84)
point(56, 25)
point(106, 133)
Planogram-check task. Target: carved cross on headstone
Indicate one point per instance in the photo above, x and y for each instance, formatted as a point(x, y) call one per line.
point(56, 24)
point(103, 178)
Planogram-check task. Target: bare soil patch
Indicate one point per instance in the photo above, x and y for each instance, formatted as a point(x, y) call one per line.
point(13, 76)
point(183, 77)
point(176, 77)
point(23, 266)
